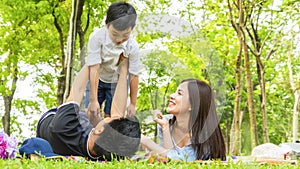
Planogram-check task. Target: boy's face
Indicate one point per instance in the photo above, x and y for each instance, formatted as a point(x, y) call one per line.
point(118, 37)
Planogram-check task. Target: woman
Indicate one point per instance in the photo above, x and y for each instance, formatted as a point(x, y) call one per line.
point(191, 131)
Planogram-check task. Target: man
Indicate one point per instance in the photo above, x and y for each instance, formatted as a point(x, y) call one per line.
point(70, 132)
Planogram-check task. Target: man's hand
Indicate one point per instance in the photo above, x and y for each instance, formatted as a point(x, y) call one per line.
point(131, 110)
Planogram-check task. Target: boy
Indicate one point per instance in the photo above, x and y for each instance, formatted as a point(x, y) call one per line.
point(105, 47)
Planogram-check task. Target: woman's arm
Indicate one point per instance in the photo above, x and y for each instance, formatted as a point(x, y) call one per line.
point(152, 146)
point(165, 128)
point(186, 153)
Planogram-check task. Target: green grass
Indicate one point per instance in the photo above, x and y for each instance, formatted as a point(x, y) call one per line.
point(126, 164)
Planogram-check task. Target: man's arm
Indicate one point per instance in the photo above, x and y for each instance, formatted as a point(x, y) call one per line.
point(79, 85)
point(134, 82)
point(119, 101)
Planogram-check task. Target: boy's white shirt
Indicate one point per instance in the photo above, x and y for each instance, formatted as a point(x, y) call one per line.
point(101, 50)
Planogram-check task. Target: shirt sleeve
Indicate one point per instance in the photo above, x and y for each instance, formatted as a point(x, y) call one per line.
point(134, 60)
point(94, 47)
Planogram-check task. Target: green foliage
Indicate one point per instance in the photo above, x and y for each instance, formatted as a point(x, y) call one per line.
point(159, 72)
point(269, 20)
point(50, 164)
point(30, 40)
point(185, 52)
point(148, 128)
point(157, 6)
point(144, 38)
point(30, 37)
point(280, 96)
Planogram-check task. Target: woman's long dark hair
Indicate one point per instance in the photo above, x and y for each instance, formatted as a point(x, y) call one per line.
point(206, 135)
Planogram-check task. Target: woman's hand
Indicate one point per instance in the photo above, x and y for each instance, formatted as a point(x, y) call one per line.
point(160, 119)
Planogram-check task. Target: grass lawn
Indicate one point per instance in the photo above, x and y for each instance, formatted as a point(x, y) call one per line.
point(126, 164)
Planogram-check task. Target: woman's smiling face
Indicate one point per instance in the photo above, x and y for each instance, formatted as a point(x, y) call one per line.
point(179, 101)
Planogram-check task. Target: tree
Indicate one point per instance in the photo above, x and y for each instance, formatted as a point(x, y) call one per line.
point(26, 28)
point(77, 6)
point(35, 34)
point(13, 31)
point(8, 70)
point(292, 51)
point(240, 28)
point(294, 85)
point(77, 28)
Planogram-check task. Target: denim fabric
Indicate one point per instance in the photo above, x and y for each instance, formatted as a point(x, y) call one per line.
point(87, 95)
point(105, 93)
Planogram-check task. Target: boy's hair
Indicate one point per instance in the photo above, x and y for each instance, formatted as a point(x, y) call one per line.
point(119, 139)
point(122, 15)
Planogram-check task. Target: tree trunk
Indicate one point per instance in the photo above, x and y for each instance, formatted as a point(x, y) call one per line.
point(61, 80)
point(71, 45)
point(258, 46)
point(80, 31)
point(235, 133)
point(263, 110)
point(235, 147)
point(240, 28)
point(252, 114)
point(8, 102)
point(295, 115)
point(263, 99)
point(296, 92)
point(6, 117)
point(81, 34)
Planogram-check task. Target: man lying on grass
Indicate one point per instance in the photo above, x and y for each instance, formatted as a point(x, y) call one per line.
point(71, 133)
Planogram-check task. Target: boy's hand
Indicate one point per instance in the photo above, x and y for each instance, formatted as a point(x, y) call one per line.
point(131, 110)
point(94, 107)
point(93, 112)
